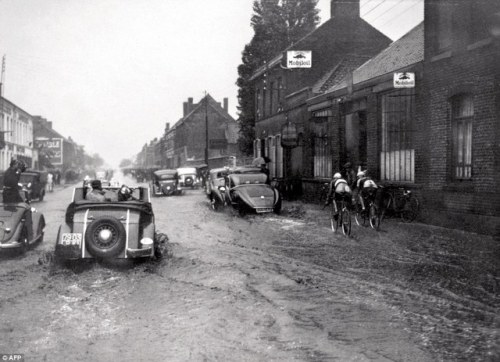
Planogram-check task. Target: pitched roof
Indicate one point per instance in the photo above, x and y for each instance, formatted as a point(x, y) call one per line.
point(404, 52)
point(339, 73)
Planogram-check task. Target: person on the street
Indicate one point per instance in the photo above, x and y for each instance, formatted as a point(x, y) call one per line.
point(11, 182)
point(50, 182)
point(96, 194)
point(367, 188)
point(339, 189)
point(350, 175)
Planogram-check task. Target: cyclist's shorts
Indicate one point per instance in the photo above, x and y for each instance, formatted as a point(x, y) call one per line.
point(347, 196)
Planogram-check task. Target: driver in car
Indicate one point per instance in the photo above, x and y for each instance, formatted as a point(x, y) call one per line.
point(96, 194)
point(124, 193)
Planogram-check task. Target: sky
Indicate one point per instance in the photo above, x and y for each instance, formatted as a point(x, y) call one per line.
point(111, 73)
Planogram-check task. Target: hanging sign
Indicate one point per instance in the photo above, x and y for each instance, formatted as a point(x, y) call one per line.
point(289, 136)
point(404, 80)
point(298, 59)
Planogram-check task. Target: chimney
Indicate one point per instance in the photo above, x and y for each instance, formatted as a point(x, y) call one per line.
point(344, 8)
point(190, 104)
point(167, 126)
point(185, 109)
point(49, 124)
point(226, 104)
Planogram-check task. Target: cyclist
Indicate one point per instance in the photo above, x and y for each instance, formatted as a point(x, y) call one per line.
point(339, 189)
point(367, 188)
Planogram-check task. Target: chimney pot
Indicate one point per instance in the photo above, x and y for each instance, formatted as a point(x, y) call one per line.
point(344, 9)
point(226, 104)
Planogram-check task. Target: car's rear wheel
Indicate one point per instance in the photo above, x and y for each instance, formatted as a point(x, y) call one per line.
point(105, 237)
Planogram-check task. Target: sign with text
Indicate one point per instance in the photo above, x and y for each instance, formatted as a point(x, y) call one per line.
point(404, 80)
point(298, 59)
point(53, 147)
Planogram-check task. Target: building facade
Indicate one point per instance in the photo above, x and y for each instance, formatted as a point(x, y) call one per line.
point(339, 45)
point(17, 128)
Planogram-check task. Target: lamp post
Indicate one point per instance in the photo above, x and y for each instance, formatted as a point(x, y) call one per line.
point(206, 129)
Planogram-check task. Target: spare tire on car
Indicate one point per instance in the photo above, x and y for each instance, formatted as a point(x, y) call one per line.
point(105, 237)
point(189, 181)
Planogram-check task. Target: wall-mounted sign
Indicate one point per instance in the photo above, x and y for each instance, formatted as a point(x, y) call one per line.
point(289, 135)
point(404, 80)
point(298, 59)
point(53, 148)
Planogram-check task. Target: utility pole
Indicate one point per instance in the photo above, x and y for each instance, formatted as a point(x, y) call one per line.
point(206, 129)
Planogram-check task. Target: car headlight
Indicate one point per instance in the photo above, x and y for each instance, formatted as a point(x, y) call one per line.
point(29, 184)
point(222, 188)
point(168, 187)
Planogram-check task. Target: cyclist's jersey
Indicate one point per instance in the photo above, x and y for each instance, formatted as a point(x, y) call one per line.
point(341, 186)
point(366, 183)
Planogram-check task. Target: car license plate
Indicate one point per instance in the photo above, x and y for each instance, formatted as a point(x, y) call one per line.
point(71, 239)
point(267, 209)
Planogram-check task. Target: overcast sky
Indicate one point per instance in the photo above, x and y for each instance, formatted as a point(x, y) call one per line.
point(110, 73)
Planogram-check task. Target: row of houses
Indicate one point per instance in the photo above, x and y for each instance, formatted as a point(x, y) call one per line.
point(33, 140)
point(206, 132)
point(438, 136)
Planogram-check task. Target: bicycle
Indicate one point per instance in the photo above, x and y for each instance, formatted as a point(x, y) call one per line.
point(402, 201)
point(342, 219)
point(370, 214)
point(322, 193)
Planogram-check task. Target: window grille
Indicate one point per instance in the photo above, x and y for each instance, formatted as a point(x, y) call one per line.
point(462, 115)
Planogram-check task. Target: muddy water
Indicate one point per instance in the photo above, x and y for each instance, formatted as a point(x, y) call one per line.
point(259, 288)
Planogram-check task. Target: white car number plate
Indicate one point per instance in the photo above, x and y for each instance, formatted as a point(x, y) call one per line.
point(261, 211)
point(71, 239)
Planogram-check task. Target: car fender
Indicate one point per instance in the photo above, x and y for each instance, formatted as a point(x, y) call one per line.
point(38, 221)
point(276, 196)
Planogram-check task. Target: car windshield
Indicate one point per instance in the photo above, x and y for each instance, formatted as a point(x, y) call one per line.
point(249, 178)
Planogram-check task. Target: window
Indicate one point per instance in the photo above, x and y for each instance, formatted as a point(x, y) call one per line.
point(272, 156)
point(444, 26)
point(279, 88)
point(258, 106)
point(397, 157)
point(322, 158)
point(264, 102)
point(479, 21)
point(271, 98)
point(462, 113)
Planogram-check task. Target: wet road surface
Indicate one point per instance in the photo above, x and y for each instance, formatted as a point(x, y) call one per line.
point(258, 288)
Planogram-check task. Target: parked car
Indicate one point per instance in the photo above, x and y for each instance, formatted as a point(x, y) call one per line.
point(216, 187)
point(165, 182)
point(20, 225)
point(109, 229)
point(188, 177)
point(35, 183)
point(246, 190)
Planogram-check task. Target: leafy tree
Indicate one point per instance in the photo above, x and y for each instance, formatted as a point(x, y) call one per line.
point(277, 24)
point(125, 163)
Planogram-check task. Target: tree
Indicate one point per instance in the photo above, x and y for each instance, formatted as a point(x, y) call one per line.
point(277, 24)
point(125, 163)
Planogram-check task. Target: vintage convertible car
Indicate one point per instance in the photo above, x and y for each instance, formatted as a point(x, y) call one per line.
point(20, 225)
point(34, 182)
point(246, 190)
point(216, 187)
point(109, 229)
point(165, 182)
point(188, 177)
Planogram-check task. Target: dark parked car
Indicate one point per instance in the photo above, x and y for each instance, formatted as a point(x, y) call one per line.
point(109, 229)
point(246, 190)
point(216, 187)
point(20, 225)
point(34, 182)
point(165, 182)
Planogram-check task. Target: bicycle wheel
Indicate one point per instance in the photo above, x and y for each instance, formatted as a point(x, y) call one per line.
point(374, 217)
point(410, 209)
point(345, 219)
point(360, 216)
point(334, 218)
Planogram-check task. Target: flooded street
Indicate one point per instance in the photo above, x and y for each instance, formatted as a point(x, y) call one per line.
point(258, 288)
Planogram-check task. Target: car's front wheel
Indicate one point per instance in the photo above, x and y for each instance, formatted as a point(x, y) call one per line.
point(105, 237)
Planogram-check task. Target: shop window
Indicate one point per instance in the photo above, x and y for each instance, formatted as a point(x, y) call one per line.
point(322, 158)
point(397, 157)
point(462, 115)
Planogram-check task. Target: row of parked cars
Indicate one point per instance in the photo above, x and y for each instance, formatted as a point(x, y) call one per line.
point(246, 189)
point(173, 181)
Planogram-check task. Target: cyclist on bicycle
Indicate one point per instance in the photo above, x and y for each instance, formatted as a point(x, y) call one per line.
point(367, 188)
point(339, 189)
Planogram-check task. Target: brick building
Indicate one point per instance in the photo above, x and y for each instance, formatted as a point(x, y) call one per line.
point(460, 163)
point(190, 138)
point(339, 45)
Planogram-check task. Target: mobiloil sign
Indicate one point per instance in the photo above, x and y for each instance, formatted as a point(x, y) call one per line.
point(298, 59)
